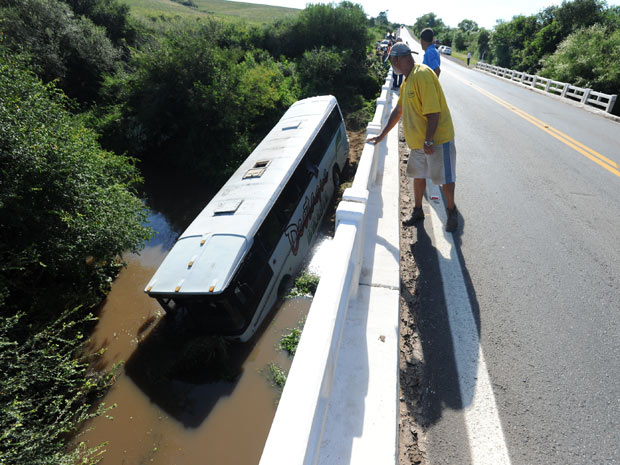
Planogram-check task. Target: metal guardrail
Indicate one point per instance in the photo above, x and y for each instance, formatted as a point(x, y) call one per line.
point(563, 89)
point(297, 429)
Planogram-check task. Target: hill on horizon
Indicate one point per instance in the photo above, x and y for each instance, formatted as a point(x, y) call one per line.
point(250, 12)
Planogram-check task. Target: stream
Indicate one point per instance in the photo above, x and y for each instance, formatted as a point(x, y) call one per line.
point(181, 398)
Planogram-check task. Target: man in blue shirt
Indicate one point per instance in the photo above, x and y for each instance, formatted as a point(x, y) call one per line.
point(431, 55)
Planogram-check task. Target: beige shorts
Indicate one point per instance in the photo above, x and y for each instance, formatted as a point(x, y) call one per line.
point(440, 167)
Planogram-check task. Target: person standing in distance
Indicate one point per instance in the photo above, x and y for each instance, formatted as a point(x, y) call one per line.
point(429, 132)
point(431, 54)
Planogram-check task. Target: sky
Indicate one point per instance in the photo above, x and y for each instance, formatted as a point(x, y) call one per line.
point(484, 12)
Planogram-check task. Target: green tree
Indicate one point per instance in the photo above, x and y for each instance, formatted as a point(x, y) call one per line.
point(380, 21)
point(329, 43)
point(67, 207)
point(587, 58)
point(468, 25)
point(460, 40)
point(611, 18)
point(429, 20)
point(576, 14)
point(194, 105)
point(113, 15)
point(483, 42)
point(509, 40)
point(69, 48)
point(320, 70)
point(344, 26)
point(523, 42)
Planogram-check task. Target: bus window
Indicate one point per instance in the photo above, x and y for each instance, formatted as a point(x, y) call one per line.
point(301, 178)
point(270, 232)
point(333, 122)
point(287, 203)
point(253, 277)
point(323, 139)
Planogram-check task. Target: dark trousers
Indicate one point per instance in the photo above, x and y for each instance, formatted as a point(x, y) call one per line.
point(397, 79)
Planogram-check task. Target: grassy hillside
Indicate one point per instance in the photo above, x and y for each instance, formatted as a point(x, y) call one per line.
point(221, 8)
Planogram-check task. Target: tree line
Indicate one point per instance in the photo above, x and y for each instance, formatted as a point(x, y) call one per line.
point(576, 42)
point(88, 94)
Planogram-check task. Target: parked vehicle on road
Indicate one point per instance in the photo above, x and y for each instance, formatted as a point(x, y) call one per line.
point(228, 268)
point(446, 50)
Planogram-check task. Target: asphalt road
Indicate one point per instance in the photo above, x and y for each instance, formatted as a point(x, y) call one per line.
point(539, 247)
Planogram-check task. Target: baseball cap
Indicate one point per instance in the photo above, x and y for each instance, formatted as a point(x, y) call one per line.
point(400, 49)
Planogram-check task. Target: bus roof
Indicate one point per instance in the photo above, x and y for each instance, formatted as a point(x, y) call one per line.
point(205, 257)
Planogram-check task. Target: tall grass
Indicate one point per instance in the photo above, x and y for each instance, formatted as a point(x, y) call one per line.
point(224, 9)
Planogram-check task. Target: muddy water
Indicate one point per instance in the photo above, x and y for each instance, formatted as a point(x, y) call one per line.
point(181, 398)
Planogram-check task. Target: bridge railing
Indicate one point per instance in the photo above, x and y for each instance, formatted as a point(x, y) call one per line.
point(297, 429)
point(563, 89)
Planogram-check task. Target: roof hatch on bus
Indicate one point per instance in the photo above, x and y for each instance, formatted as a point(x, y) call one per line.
point(257, 170)
point(227, 207)
point(291, 125)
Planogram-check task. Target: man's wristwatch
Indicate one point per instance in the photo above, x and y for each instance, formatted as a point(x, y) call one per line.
point(428, 143)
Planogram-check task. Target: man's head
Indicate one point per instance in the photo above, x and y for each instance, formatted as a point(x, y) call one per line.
point(426, 37)
point(400, 58)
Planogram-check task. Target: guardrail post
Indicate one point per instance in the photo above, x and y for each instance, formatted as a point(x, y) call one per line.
point(610, 105)
point(354, 216)
point(564, 89)
point(585, 96)
point(534, 79)
point(547, 85)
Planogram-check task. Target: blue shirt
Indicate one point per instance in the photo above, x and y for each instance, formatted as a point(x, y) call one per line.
point(431, 57)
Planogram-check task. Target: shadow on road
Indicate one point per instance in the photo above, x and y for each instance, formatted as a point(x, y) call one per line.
point(438, 392)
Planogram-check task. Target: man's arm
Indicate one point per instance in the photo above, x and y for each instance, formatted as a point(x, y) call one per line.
point(394, 117)
point(437, 71)
point(432, 120)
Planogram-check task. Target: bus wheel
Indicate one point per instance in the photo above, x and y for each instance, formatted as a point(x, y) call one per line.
point(284, 286)
point(336, 176)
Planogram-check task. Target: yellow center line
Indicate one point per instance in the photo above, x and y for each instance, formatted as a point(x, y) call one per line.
point(587, 152)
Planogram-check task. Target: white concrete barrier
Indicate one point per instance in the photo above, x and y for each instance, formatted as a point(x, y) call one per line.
point(296, 433)
point(579, 94)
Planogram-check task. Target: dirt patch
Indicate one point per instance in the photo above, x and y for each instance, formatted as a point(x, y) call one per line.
point(357, 140)
point(411, 434)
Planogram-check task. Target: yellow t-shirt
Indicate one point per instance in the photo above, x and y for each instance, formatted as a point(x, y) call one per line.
point(420, 95)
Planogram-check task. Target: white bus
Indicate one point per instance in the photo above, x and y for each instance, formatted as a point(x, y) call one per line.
point(238, 255)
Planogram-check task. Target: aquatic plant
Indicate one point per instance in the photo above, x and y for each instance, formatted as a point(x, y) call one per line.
point(290, 341)
point(305, 285)
point(276, 375)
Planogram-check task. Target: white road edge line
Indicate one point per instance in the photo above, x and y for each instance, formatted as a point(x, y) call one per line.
point(484, 429)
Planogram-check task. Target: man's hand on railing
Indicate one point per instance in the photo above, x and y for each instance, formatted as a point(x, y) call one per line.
point(375, 140)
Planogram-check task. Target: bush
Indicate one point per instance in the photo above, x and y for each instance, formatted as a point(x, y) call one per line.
point(46, 391)
point(321, 71)
point(113, 15)
point(194, 105)
point(344, 26)
point(69, 48)
point(587, 58)
point(67, 208)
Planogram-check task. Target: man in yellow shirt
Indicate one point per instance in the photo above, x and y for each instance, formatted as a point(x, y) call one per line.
point(428, 129)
